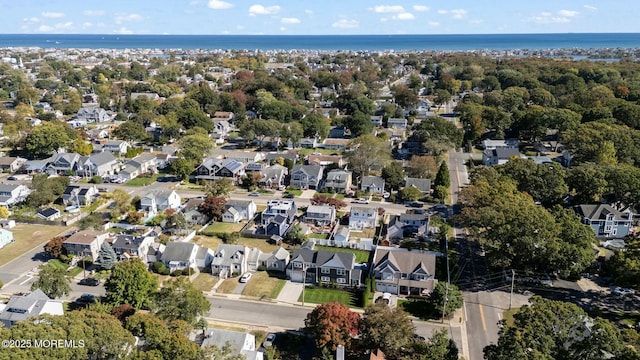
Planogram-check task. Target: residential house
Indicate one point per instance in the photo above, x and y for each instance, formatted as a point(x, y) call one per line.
point(407, 225)
point(399, 123)
point(192, 215)
point(6, 237)
point(77, 123)
point(132, 247)
point(11, 164)
point(48, 214)
point(337, 132)
point(79, 195)
point(93, 114)
point(22, 307)
point(160, 200)
point(323, 267)
point(401, 272)
point(224, 115)
point(238, 210)
point(116, 146)
point(336, 144)
point(499, 156)
point(424, 185)
point(100, 164)
point(13, 194)
point(35, 166)
point(213, 169)
point(85, 243)
point(63, 164)
point(240, 343)
point(277, 217)
point(273, 157)
point(372, 184)
point(222, 127)
point(180, 255)
point(338, 181)
point(309, 143)
point(320, 215)
point(276, 260)
point(306, 176)
point(325, 160)
point(242, 156)
point(96, 134)
point(141, 164)
point(341, 236)
point(492, 144)
point(273, 177)
point(229, 260)
point(376, 120)
point(204, 257)
point(150, 96)
point(362, 217)
point(605, 220)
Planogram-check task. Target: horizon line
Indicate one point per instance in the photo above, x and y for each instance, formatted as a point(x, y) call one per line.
point(337, 35)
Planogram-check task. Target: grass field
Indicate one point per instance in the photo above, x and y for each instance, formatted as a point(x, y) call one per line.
point(204, 282)
point(223, 227)
point(228, 286)
point(319, 236)
point(212, 242)
point(28, 236)
point(294, 192)
point(143, 181)
point(262, 285)
point(321, 296)
point(362, 256)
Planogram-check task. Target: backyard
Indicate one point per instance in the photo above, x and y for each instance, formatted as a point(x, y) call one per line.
point(60, 265)
point(262, 285)
point(212, 243)
point(222, 227)
point(322, 295)
point(362, 256)
point(27, 237)
point(143, 181)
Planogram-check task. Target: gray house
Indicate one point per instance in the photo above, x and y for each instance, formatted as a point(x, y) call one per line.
point(402, 272)
point(191, 213)
point(22, 307)
point(229, 260)
point(100, 164)
point(338, 181)
point(605, 220)
point(499, 156)
point(277, 217)
point(423, 185)
point(323, 267)
point(306, 176)
point(372, 184)
point(63, 163)
point(185, 255)
point(238, 210)
point(273, 176)
point(320, 215)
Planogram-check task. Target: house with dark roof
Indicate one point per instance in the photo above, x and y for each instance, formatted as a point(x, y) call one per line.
point(372, 184)
point(323, 267)
point(407, 225)
point(338, 181)
point(277, 217)
point(192, 215)
point(79, 195)
point(49, 214)
point(238, 210)
point(13, 193)
point(605, 221)
point(424, 185)
point(306, 176)
point(93, 114)
point(273, 176)
point(309, 143)
point(141, 164)
point(401, 272)
point(184, 255)
point(214, 169)
point(85, 243)
point(499, 156)
point(132, 247)
point(62, 163)
point(22, 307)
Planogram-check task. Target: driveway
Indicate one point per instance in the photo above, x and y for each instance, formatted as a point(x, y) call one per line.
point(290, 292)
point(307, 194)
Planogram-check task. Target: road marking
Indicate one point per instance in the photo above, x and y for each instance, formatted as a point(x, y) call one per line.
point(464, 306)
point(499, 317)
point(26, 281)
point(484, 323)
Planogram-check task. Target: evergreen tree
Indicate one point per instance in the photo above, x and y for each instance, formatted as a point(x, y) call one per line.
point(442, 177)
point(107, 258)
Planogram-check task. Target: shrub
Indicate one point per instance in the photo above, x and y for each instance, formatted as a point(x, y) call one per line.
point(176, 273)
point(159, 267)
point(96, 180)
point(1, 284)
point(229, 238)
point(262, 268)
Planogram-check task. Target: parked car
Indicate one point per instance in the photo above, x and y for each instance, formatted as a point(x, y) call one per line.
point(103, 189)
point(268, 341)
point(623, 291)
point(415, 204)
point(255, 193)
point(89, 282)
point(12, 178)
point(288, 196)
point(360, 201)
point(245, 278)
point(86, 299)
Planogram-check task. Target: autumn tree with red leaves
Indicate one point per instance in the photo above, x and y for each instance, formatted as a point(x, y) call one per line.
point(55, 248)
point(332, 324)
point(321, 199)
point(213, 206)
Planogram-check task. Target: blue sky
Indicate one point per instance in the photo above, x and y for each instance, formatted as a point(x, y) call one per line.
point(317, 17)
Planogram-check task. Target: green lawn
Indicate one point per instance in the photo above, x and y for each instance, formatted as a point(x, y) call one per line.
point(340, 196)
point(223, 227)
point(362, 256)
point(319, 236)
point(329, 195)
point(304, 152)
point(27, 237)
point(60, 265)
point(262, 285)
point(321, 296)
point(294, 192)
point(143, 181)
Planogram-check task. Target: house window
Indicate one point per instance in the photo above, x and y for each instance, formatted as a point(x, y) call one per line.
point(325, 279)
point(340, 272)
point(297, 265)
point(326, 270)
point(341, 280)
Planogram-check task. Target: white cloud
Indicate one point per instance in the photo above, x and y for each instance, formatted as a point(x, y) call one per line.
point(282, 28)
point(93, 13)
point(45, 28)
point(52, 15)
point(263, 10)
point(388, 9)
point(195, 2)
point(345, 24)
point(226, 32)
point(219, 5)
point(433, 23)
point(123, 31)
point(404, 16)
point(442, 12)
point(308, 12)
point(87, 24)
point(122, 17)
point(549, 18)
point(59, 27)
point(420, 8)
point(384, 19)
point(240, 27)
point(568, 13)
point(591, 8)
point(459, 14)
point(290, 21)
point(31, 20)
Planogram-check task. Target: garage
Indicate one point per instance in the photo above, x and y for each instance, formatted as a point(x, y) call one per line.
point(387, 288)
point(296, 276)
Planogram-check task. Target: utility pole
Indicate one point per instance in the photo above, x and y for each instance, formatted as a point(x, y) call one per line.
point(304, 281)
point(446, 289)
point(513, 278)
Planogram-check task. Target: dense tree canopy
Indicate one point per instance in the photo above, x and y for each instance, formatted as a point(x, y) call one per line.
point(53, 281)
point(131, 283)
point(332, 324)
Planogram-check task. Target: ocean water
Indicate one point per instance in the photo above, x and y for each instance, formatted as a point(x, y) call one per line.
point(327, 42)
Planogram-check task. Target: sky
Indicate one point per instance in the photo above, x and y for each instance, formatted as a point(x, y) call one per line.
point(317, 17)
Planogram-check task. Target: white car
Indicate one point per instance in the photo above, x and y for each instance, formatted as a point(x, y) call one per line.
point(361, 201)
point(268, 341)
point(623, 291)
point(245, 277)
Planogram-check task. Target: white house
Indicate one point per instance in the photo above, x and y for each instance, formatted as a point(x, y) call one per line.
point(160, 200)
point(6, 237)
point(180, 255)
point(116, 146)
point(13, 194)
point(238, 210)
point(229, 260)
point(22, 307)
point(362, 217)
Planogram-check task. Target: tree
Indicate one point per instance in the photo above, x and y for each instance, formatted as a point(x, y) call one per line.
point(4, 212)
point(160, 340)
point(131, 131)
point(393, 175)
point(213, 206)
point(260, 129)
point(443, 178)
point(220, 187)
point(438, 135)
point(389, 330)
point(410, 193)
point(194, 147)
point(295, 236)
point(587, 182)
point(446, 297)
point(332, 324)
point(182, 168)
point(575, 335)
point(122, 203)
point(80, 146)
point(404, 96)
point(55, 247)
point(315, 125)
point(368, 151)
point(358, 124)
point(180, 300)
point(441, 97)
point(422, 167)
point(544, 182)
point(107, 257)
point(43, 140)
point(53, 281)
point(131, 283)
